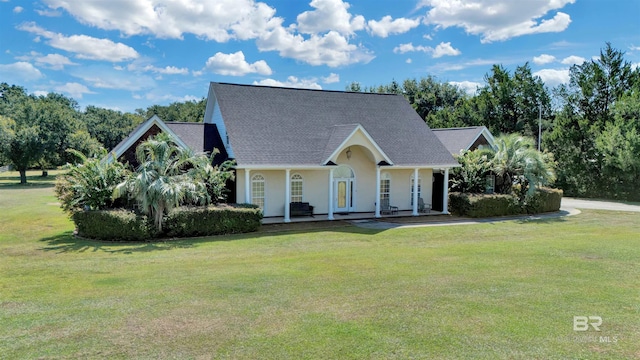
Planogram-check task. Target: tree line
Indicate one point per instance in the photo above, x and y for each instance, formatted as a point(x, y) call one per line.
point(591, 124)
point(36, 131)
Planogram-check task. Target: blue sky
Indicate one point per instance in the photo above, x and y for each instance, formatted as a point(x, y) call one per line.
point(129, 54)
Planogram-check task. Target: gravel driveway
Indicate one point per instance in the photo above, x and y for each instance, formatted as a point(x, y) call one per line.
point(572, 203)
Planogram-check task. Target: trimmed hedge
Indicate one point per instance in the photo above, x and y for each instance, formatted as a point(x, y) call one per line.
point(480, 205)
point(126, 225)
point(113, 225)
point(544, 200)
point(213, 220)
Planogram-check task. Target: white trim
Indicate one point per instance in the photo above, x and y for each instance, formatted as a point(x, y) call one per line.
point(487, 135)
point(122, 147)
point(324, 167)
point(416, 185)
point(287, 196)
point(377, 213)
point(445, 198)
point(367, 136)
point(330, 215)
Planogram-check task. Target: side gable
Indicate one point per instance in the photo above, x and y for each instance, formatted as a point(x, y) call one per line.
point(464, 138)
point(152, 126)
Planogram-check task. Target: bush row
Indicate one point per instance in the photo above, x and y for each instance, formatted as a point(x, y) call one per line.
point(126, 225)
point(479, 205)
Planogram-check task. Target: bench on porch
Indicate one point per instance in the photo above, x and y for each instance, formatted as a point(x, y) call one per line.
point(300, 209)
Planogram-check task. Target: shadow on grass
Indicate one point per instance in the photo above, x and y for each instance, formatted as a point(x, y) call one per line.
point(67, 242)
point(29, 185)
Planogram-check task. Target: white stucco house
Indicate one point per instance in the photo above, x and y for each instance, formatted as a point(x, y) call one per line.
point(341, 152)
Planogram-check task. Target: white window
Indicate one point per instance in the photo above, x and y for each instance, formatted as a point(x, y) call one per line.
point(257, 190)
point(419, 188)
point(296, 188)
point(385, 186)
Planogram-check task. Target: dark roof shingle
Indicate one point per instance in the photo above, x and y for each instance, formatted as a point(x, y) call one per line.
point(285, 126)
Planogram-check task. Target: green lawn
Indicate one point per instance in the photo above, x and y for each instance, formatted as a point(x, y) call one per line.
point(506, 290)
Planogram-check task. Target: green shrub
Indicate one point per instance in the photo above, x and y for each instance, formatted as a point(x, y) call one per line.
point(459, 203)
point(493, 205)
point(213, 220)
point(482, 205)
point(113, 225)
point(544, 200)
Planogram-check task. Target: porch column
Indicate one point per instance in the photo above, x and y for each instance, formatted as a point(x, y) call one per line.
point(377, 191)
point(247, 186)
point(287, 196)
point(330, 216)
point(415, 192)
point(445, 199)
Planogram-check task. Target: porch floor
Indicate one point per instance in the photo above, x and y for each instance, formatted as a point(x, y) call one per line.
point(347, 216)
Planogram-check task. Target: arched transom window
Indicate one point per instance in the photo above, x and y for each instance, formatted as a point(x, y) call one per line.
point(257, 190)
point(296, 188)
point(385, 186)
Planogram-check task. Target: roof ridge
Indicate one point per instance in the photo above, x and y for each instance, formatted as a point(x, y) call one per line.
point(303, 89)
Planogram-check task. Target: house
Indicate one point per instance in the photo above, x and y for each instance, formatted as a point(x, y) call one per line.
point(341, 152)
point(465, 138)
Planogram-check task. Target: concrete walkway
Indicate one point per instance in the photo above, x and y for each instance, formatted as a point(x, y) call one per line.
point(568, 207)
point(598, 205)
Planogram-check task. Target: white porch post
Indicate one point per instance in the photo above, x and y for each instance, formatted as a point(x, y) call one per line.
point(287, 196)
point(330, 216)
point(445, 199)
point(247, 186)
point(377, 191)
point(415, 192)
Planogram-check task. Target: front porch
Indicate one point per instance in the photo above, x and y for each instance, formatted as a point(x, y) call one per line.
point(346, 216)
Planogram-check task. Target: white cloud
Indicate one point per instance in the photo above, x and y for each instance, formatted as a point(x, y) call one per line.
point(49, 13)
point(498, 20)
point(387, 26)
point(292, 82)
point(161, 97)
point(544, 59)
point(331, 49)
point(635, 65)
point(553, 77)
point(18, 9)
point(442, 49)
point(469, 87)
point(54, 61)
point(571, 60)
point(167, 70)
point(321, 36)
point(19, 70)
point(221, 20)
point(74, 89)
point(445, 49)
point(105, 77)
point(236, 65)
point(409, 61)
point(85, 47)
point(332, 78)
point(634, 48)
point(329, 15)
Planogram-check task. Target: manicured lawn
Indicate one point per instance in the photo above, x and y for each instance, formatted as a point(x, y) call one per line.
point(506, 290)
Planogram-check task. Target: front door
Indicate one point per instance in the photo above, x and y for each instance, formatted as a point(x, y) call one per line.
point(343, 199)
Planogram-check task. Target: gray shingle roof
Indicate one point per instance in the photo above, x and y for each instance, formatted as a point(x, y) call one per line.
point(456, 139)
point(285, 126)
point(191, 133)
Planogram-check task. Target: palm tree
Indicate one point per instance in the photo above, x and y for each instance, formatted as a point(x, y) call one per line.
point(517, 162)
point(162, 180)
point(89, 184)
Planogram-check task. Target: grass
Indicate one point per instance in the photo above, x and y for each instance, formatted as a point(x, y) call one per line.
point(505, 290)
